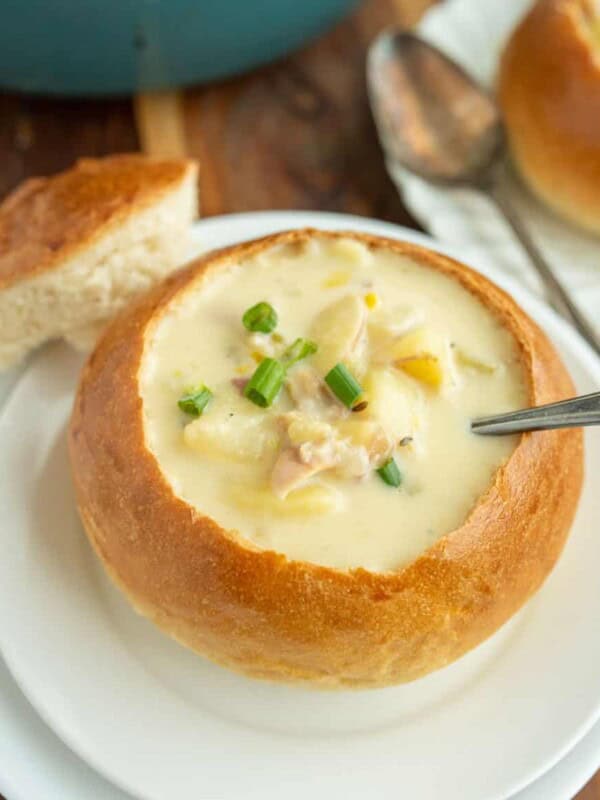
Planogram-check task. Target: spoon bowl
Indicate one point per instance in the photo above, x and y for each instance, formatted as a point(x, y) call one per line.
point(434, 120)
point(431, 115)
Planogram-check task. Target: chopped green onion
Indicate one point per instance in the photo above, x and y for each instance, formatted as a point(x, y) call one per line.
point(260, 318)
point(300, 349)
point(266, 382)
point(195, 401)
point(344, 385)
point(390, 474)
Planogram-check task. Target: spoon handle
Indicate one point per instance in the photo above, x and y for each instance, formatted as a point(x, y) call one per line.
point(573, 413)
point(556, 293)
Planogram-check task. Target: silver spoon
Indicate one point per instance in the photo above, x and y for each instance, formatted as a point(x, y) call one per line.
point(435, 121)
point(573, 413)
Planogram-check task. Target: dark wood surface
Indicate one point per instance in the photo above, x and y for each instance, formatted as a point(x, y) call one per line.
point(294, 135)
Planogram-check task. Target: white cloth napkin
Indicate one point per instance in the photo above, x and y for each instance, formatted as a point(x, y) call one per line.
point(473, 32)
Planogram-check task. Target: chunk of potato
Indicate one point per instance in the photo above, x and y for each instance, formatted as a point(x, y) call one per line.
point(236, 436)
point(341, 336)
point(352, 251)
point(387, 325)
point(307, 501)
point(340, 277)
point(393, 403)
point(303, 428)
point(424, 355)
point(425, 368)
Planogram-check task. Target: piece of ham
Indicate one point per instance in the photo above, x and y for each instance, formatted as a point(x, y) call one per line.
point(314, 447)
point(240, 384)
point(292, 470)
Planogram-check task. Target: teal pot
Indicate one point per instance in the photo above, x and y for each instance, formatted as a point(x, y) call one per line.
point(83, 47)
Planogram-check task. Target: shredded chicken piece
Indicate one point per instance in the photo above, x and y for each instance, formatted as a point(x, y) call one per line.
point(316, 446)
point(370, 435)
point(353, 461)
point(263, 343)
point(291, 471)
point(311, 396)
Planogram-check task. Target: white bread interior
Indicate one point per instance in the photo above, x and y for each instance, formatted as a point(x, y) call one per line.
point(75, 298)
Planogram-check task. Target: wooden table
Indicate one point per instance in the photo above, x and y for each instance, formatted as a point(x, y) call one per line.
point(294, 135)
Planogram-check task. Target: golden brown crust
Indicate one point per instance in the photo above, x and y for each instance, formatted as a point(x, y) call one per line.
point(270, 617)
point(549, 91)
point(45, 220)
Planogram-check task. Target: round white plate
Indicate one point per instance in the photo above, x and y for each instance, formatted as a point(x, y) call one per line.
point(163, 723)
point(34, 763)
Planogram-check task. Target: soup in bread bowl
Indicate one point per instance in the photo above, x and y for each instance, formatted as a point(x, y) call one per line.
point(273, 458)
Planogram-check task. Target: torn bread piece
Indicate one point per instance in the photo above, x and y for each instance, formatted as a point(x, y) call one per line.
point(77, 246)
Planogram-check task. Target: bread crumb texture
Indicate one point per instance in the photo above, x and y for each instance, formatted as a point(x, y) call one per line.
point(77, 246)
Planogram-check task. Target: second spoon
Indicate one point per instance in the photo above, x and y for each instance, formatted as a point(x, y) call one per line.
point(434, 120)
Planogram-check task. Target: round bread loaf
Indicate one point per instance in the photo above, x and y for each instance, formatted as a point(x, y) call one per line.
point(269, 616)
point(549, 91)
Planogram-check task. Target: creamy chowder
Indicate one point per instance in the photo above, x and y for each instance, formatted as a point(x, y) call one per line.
point(371, 485)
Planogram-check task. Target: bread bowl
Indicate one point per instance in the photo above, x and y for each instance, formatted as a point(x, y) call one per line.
point(75, 247)
point(549, 91)
point(170, 505)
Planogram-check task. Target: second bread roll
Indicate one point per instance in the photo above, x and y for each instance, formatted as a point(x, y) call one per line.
point(549, 91)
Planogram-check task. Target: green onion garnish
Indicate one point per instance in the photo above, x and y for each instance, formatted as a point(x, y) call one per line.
point(390, 474)
point(260, 318)
point(266, 382)
point(344, 385)
point(195, 401)
point(300, 349)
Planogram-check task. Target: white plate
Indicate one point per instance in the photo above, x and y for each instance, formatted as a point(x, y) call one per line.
point(34, 763)
point(163, 723)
